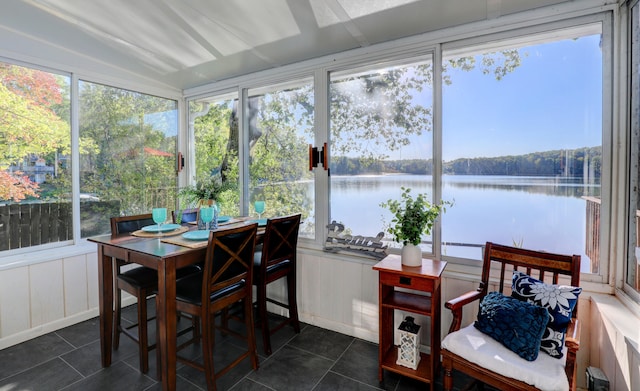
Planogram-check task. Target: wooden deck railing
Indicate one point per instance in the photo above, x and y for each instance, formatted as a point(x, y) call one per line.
point(32, 224)
point(592, 234)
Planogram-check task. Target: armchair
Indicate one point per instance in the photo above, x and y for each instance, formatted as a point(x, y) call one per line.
point(476, 354)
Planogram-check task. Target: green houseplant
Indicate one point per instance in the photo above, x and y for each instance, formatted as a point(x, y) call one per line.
point(206, 191)
point(412, 217)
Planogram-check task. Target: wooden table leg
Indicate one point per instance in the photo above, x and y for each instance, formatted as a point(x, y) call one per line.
point(105, 290)
point(166, 318)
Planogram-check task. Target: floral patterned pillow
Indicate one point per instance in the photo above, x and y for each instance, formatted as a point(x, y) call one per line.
point(559, 300)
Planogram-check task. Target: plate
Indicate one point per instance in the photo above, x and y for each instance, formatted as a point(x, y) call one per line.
point(163, 228)
point(201, 234)
point(261, 222)
point(223, 219)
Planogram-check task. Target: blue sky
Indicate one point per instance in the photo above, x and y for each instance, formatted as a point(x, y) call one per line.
point(553, 100)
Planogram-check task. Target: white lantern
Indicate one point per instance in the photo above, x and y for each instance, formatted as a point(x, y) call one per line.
point(409, 349)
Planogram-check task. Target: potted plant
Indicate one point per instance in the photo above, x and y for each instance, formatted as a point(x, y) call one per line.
point(412, 217)
point(206, 191)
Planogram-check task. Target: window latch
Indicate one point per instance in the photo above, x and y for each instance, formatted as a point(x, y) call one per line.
point(179, 162)
point(317, 158)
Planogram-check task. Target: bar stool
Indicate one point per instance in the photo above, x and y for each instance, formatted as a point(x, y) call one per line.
point(225, 280)
point(140, 282)
point(277, 260)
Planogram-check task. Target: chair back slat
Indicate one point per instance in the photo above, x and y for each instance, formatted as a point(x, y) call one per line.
point(229, 259)
point(188, 215)
point(128, 224)
point(538, 264)
point(280, 240)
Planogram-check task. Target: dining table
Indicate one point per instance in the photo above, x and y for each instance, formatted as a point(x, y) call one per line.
point(165, 252)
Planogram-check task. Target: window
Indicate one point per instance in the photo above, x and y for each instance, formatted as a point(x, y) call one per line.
point(632, 272)
point(35, 158)
point(522, 144)
point(516, 132)
point(381, 140)
point(213, 122)
point(127, 154)
point(280, 128)
point(275, 134)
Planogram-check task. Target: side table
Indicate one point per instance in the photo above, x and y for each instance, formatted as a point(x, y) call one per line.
point(425, 278)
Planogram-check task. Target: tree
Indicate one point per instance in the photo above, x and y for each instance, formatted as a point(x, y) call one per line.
point(28, 125)
point(133, 161)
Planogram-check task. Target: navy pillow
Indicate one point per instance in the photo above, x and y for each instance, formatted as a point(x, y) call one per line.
point(559, 300)
point(516, 324)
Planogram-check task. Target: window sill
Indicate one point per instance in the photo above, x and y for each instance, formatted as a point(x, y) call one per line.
point(348, 256)
point(614, 329)
point(48, 254)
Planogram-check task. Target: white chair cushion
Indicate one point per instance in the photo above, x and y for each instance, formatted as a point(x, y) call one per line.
point(546, 373)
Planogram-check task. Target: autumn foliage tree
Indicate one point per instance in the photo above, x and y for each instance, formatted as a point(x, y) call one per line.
point(28, 125)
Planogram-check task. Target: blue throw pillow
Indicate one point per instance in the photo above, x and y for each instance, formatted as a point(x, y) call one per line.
point(516, 324)
point(559, 300)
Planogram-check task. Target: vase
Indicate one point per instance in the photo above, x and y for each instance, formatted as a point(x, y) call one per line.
point(213, 225)
point(411, 255)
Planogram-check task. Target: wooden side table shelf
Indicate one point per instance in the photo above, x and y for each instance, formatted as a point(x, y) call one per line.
point(425, 278)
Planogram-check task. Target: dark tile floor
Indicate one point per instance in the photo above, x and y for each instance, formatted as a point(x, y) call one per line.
point(315, 359)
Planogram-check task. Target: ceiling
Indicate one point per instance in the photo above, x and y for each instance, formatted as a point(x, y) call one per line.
point(183, 44)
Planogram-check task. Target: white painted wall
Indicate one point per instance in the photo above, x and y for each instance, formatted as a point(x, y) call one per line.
point(47, 295)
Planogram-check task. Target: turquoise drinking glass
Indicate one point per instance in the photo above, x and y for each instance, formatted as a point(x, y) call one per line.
point(259, 207)
point(159, 216)
point(206, 215)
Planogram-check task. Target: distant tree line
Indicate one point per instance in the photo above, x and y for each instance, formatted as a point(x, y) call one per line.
point(579, 162)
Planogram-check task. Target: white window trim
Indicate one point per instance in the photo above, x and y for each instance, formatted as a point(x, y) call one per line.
point(543, 20)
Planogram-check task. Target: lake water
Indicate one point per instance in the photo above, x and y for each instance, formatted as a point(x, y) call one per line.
point(542, 213)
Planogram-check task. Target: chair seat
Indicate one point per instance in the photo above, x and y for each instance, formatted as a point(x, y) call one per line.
point(144, 277)
point(492, 355)
point(189, 289)
point(257, 260)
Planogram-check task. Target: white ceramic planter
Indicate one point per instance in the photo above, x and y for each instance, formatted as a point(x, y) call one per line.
point(411, 255)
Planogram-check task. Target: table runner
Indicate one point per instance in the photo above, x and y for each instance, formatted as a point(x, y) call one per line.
point(180, 241)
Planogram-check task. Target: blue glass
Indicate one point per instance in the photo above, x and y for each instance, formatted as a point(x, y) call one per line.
point(206, 216)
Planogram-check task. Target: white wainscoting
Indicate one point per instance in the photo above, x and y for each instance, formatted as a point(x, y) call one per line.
point(335, 292)
point(45, 296)
point(615, 333)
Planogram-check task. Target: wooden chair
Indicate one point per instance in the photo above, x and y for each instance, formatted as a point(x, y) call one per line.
point(226, 279)
point(277, 260)
point(188, 215)
point(459, 354)
point(142, 283)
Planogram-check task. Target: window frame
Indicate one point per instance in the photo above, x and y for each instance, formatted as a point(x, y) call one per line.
point(353, 69)
point(510, 25)
point(19, 253)
point(632, 167)
point(78, 245)
point(433, 44)
point(533, 34)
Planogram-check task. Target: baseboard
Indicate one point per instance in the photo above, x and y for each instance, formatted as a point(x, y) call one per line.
point(342, 328)
point(38, 331)
point(57, 324)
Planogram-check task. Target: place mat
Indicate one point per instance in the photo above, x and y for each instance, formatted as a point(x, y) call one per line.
point(231, 221)
point(180, 241)
point(144, 234)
